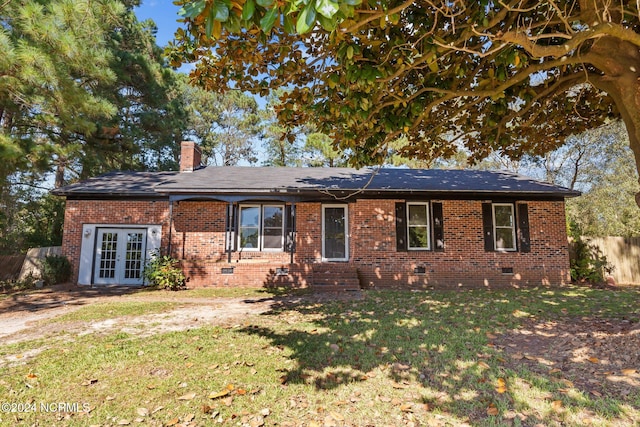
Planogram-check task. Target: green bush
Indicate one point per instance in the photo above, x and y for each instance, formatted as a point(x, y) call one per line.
point(56, 269)
point(587, 262)
point(163, 271)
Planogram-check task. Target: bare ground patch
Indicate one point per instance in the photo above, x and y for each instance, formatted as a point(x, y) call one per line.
point(597, 356)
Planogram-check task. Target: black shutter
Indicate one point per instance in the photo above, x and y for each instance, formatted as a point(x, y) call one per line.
point(401, 227)
point(438, 227)
point(524, 239)
point(487, 225)
point(290, 228)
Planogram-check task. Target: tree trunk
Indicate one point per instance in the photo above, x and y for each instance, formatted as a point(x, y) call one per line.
point(60, 169)
point(619, 62)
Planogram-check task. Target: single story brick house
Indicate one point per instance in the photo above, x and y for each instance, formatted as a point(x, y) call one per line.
point(333, 228)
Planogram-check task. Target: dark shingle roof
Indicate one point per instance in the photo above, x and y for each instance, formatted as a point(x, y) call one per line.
point(117, 184)
point(252, 180)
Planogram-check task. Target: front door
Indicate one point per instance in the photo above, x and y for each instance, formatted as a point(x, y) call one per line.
point(335, 239)
point(120, 256)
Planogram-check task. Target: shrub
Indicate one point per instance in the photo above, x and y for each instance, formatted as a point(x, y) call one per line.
point(163, 271)
point(588, 264)
point(56, 269)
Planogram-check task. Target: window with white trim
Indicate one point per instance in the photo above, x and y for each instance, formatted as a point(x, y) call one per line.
point(261, 228)
point(418, 230)
point(504, 227)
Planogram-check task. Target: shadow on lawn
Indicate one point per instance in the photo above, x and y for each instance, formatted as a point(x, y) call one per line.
point(437, 344)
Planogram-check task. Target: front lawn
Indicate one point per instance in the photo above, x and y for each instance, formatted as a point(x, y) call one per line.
point(392, 358)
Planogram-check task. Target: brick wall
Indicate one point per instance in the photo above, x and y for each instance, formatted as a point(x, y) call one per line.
point(464, 261)
point(198, 239)
point(80, 212)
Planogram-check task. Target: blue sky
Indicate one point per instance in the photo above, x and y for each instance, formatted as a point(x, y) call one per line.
point(164, 13)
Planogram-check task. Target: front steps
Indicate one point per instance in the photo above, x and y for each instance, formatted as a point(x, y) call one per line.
point(334, 277)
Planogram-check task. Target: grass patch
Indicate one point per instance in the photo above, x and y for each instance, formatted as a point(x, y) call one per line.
point(223, 292)
point(109, 310)
point(392, 358)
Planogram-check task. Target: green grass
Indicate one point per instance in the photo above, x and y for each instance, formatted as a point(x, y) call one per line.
point(389, 359)
point(109, 310)
point(221, 292)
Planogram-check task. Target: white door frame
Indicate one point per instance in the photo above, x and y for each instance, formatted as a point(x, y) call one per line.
point(346, 232)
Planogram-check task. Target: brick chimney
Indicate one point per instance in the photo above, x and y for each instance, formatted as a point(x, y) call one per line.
point(190, 156)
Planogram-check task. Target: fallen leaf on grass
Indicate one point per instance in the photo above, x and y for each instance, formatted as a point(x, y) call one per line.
point(491, 336)
point(124, 422)
point(555, 371)
point(628, 372)
point(501, 385)
point(593, 360)
point(492, 410)
point(158, 408)
point(143, 412)
point(556, 405)
point(596, 393)
point(189, 417)
point(89, 382)
point(172, 422)
point(484, 365)
point(188, 396)
point(32, 375)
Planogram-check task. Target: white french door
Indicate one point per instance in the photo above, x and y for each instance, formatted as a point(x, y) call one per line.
point(120, 256)
point(335, 233)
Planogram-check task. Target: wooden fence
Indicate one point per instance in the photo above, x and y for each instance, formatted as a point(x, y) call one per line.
point(10, 266)
point(623, 253)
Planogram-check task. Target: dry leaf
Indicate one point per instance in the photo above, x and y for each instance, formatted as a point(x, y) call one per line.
point(406, 407)
point(556, 405)
point(32, 375)
point(228, 401)
point(158, 408)
point(628, 372)
point(501, 385)
point(206, 409)
point(189, 417)
point(89, 382)
point(596, 393)
point(143, 412)
point(188, 396)
point(219, 394)
point(567, 382)
point(241, 391)
point(593, 360)
point(492, 410)
point(172, 422)
point(491, 336)
point(484, 365)
point(555, 371)
point(265, 412)
point(109, 398)
point(188, 364)
point(124, 422)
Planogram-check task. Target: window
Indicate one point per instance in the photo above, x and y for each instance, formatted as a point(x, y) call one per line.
point(504, 227)
point(261, 227)
point(418, 226)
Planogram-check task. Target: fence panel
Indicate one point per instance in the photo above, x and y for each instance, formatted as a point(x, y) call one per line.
point(623, 253)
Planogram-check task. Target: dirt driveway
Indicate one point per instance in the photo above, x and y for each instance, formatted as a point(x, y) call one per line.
point(20, 312)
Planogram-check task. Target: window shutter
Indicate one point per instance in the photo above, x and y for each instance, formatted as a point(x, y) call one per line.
point(487, 225)
point(290, 227)
point(438, 227)
point(524, 239)
point(401, 227)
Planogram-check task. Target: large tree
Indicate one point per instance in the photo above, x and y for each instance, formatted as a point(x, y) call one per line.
point(54, 56)
point(512, 76)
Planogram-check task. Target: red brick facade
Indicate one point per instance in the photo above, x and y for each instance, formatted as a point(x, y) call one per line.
point(198, 239)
